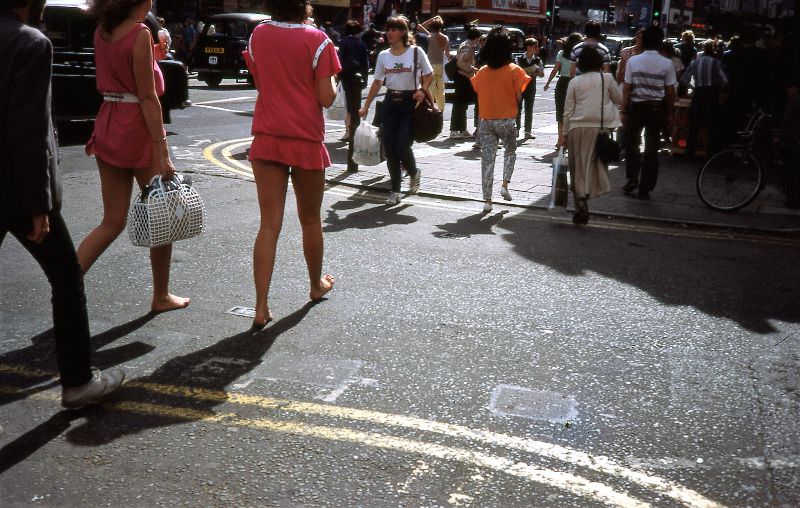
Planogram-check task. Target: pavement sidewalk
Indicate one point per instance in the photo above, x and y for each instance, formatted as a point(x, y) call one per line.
point(452, 169)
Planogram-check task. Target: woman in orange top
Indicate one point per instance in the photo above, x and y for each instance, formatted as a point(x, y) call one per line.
point(499, 85)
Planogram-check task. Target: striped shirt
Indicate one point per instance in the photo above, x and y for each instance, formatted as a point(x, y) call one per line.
point(706, 71)
point(576, 52)
point(649, 74)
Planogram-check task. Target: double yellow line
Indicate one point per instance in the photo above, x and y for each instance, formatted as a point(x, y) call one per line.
point(563, 480)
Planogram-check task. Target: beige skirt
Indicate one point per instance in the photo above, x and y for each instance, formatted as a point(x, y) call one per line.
point(589, 175)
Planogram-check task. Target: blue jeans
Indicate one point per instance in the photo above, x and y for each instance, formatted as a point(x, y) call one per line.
point(397, 116)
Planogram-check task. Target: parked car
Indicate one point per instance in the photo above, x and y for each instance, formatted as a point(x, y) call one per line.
point(70, 27)
point(218, 52)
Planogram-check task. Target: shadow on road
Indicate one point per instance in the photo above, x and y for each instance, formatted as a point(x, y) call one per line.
point(212, 368)
point(477, 224)
point(369, 218)
point(675, 271)
point(41, 356)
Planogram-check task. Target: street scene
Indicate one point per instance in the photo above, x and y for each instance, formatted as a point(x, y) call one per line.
point(465, 356)
point(462, 359)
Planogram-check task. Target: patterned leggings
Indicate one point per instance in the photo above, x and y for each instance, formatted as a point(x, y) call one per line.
point(489, 132)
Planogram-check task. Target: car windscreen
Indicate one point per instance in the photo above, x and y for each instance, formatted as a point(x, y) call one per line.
point(226, 28)
point(69, 28)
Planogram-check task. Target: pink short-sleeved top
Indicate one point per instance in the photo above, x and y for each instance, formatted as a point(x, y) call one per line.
point(120, 136)
point(286, 61)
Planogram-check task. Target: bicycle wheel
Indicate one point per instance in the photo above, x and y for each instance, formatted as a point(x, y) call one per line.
point(730, 180)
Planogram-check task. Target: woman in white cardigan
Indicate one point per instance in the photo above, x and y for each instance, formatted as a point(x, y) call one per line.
point(587, 95)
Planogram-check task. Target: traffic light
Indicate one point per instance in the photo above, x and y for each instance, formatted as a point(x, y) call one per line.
point(549, 9)
point(555, 14)
point(631, 24)
point(656, 12)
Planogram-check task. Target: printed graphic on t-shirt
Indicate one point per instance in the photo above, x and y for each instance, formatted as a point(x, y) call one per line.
point(397, 69)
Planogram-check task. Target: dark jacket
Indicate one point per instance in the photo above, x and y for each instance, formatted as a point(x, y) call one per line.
point(353, 57)
point(29, 162)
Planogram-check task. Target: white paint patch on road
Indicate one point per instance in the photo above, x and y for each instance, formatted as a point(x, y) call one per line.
point(217, 108)
point(421, 469)
point(547, 129)
point(223, 101)
point(553, 407)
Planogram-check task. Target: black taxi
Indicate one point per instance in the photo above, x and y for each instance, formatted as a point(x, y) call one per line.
point(218, 52)
point(70, 27)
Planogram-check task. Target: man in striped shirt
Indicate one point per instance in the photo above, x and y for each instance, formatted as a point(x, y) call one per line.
point(707, 78)
point(593, 32)
point(647, 98)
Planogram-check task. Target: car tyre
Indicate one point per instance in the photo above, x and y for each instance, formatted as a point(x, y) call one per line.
point(213, 80)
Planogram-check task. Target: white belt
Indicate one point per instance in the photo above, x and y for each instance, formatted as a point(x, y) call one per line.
point(120, 97)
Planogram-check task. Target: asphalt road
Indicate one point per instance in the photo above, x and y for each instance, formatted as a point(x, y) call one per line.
point(461, 360)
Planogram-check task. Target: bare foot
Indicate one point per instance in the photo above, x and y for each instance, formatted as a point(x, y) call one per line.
point(260, 321)
point(325, 285)
point(169, 302)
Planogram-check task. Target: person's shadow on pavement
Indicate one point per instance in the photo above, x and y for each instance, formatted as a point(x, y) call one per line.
point(29, 370)
point(477, 224)
point(212, 368)
point(370, 218)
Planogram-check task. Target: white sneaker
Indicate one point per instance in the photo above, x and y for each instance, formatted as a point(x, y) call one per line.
point(487, 207)
point(504, 192)
point(393, 199)
point(414, 185)
point(101, 384)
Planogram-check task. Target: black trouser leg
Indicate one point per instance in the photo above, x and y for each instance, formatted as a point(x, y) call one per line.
point(352, 91)
point(56, 255)
point(526, 103)
point(458, 117)
point(633, 138)
point(654, 121)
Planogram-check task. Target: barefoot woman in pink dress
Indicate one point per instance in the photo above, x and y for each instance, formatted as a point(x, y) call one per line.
point(293, 65)
point(129, 140)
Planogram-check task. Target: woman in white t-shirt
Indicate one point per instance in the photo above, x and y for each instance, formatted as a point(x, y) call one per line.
point(395, 69)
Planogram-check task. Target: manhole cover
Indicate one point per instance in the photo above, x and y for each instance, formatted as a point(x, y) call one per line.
point(247, 312)
point(452, 236)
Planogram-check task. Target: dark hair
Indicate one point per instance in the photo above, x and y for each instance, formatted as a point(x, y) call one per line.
point(593, 29)
point(352, 27)
point(589, 60)
point(667, 49)
point(708, 46)
point(401, 23)
point(473, 32)
point(570, 42)
point(530, 41)
point(288, 10)
point(652, 38)
point(497, 49)
point(112, 13)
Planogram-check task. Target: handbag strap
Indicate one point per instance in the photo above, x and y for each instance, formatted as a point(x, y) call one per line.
point(415, 69)
point(602, 98)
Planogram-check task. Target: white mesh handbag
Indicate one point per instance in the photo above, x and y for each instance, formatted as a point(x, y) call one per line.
point(166, 211)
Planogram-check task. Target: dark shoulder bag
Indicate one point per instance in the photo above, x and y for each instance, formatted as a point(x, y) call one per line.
point(428, 120)
point(605, 148)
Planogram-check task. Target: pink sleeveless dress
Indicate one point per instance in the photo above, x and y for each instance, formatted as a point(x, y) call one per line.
point(120, 136)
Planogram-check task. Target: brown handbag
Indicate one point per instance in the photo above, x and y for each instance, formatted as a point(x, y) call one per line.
point(428, 120)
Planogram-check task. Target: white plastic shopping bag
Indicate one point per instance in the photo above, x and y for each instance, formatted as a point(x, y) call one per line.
point(338, 109)
point(560, 190)
point(366, 145)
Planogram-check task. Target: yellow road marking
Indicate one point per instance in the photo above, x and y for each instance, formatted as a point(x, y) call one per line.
point(234, 166)
point(555, 452)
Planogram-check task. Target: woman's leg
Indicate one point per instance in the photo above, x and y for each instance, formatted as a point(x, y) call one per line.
point(404, 137)
point(488, 140)
point(309, 186)
point(507, 132)
point(115, 188)
point(437, 87)
point(272, 179)
point(160, 261)
point(389, 137)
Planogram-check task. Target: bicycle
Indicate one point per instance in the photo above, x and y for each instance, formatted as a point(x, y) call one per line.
point(732, 178)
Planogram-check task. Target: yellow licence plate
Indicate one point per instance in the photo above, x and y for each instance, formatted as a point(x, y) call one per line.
point(215, 50)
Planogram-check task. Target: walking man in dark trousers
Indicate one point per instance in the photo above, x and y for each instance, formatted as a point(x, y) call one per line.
point(534, 67)
point(706, 78)
point(648, 96)
point(30, 197)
